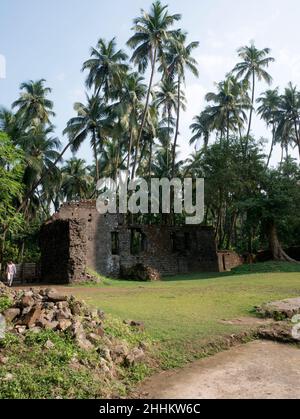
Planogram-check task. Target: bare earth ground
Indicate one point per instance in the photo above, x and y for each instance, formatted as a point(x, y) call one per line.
point(258, 370)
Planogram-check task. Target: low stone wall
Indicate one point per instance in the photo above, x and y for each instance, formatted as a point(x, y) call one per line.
point(229, 260)
point(26, 273)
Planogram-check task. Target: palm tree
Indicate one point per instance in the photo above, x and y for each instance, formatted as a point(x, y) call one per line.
point(178, 58)
point(268, 110)
point(229, 104)
point(92, 121)
point(106, 67)
point(41, 154)
point(288, 130)
point(33, 106)
point(110, 159)
point(252, 67)
point(202, 127)
point(11, 125)
point(152, 31)
point(76, 180)
point(129, 107)
point(166, 99)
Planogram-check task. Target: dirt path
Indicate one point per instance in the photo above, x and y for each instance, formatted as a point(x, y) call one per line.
point(256, 370)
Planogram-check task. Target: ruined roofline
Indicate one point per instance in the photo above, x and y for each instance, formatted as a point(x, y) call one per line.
point(88, 203)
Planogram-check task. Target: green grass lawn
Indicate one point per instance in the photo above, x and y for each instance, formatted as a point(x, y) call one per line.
point(185, 312)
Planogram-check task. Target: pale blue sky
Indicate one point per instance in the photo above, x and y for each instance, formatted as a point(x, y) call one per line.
point(51, 38)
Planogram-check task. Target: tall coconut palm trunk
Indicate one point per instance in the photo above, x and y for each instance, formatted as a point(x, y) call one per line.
point(154, 58)
point(297, 136)
point(251, 111)
point(272, 146)
point(97, 176)
point(177, 127)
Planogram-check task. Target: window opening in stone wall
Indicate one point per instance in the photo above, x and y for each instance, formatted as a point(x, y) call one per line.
point(138, 242)
point(115, 250)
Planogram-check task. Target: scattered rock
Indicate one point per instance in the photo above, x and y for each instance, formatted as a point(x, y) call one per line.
point(64, 324)
point(8, 377)
point(20, 329)
point(135, 356)
point(279, 310)
point(49, 344)
point(83, 342)
point(46, 309)
point(3, 360)
point(100, 331)
point(27, 301)
point(31, 318)
point(279, 332)
point(54, 297)
point(94, 338)
point(11, 314)
point(63, 314)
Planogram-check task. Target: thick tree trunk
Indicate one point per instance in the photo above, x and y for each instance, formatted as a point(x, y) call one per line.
point(276, 249)
point(144, 113)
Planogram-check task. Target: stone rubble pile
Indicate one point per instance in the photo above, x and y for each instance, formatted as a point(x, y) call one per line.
point(47, 309)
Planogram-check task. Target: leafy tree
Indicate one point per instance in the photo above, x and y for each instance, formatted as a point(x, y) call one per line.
point(11, 188)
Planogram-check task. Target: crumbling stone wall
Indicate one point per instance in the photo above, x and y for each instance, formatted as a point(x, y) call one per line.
point(229, 260)
point(63, 251)
point(86, 238)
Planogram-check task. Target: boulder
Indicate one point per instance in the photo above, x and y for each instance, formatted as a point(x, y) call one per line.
point(54, 297)
point(279, 310)
point(32, 317)
point(64, 324)
point(63, 314)
point(26, 301)
point(134, 357)
point(279, 332)
point(94, 338)
point(49, 344)
point(11, 314)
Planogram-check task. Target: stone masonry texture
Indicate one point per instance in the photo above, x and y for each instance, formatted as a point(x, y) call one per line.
point(78, 237)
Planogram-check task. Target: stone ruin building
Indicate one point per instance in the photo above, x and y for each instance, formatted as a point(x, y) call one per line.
point(78, 238)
